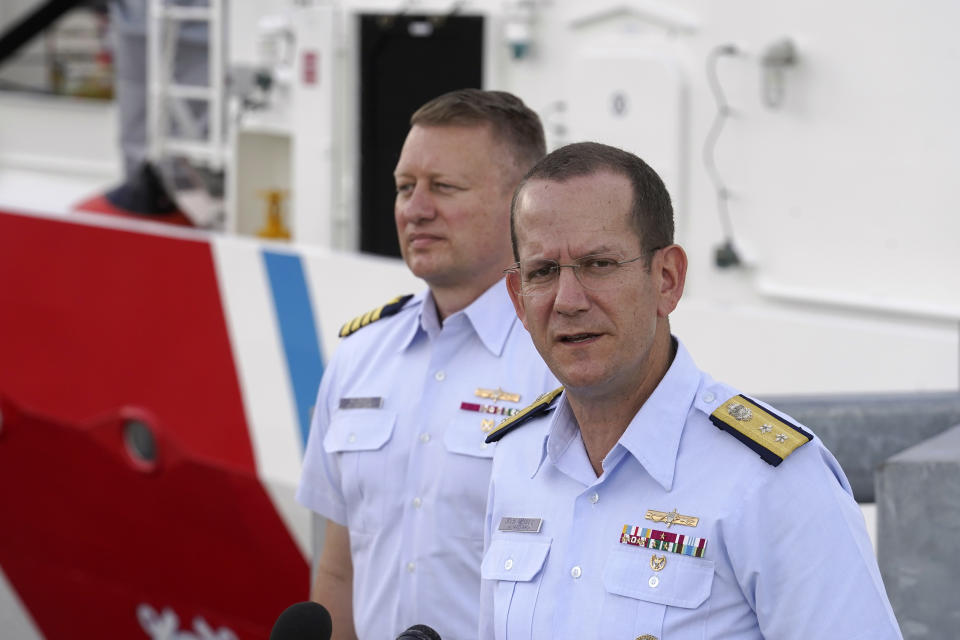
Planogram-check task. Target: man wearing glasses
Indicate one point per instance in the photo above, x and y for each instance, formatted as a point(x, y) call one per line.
point(396, 460)
point(644, 500)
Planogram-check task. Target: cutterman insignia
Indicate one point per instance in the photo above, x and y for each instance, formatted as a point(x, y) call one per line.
point(671, 518)
point(497, 394)
point(372, 316)
point(770, 435)
point(540, 405)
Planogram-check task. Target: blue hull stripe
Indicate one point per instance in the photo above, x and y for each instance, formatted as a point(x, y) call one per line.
point(298, 331)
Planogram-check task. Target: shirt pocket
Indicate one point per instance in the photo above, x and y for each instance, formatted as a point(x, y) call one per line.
point(464, 478)
point(516, 566)
point(464, 436)
point(359, 430)
point(357, 438)
point(639, 599)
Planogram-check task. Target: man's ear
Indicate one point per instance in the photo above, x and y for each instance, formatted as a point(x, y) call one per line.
point(516, 298)
point(671, 265)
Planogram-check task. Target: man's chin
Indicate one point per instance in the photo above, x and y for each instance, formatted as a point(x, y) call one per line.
point(425, 271)
point(423, 264)
point(579, 372)
point(436, 273)
point(576, 377)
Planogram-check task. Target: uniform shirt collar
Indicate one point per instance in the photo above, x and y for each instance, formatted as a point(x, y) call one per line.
point(563, 433)
point(652, 437)
point(419, 300)
point(491, 315)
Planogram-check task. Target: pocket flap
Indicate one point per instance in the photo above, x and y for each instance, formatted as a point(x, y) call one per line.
point(683, 582)
point(359, 430)
point(465, 436)
point(514, 560)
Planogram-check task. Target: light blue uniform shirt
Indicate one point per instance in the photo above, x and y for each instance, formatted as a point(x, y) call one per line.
point(786, 551)
point(409, 479)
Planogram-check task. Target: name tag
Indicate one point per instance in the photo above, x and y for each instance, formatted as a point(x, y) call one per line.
point(522, 525)
point(361, 403)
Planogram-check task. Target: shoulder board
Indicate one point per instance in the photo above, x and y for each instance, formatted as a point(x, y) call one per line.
point(372, 316)
point(771, 436)
point(540, 406)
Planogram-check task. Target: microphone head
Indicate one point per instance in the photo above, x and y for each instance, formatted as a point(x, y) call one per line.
point(303, 621)
point(419, 632)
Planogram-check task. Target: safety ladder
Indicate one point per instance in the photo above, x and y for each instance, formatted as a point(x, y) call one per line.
point(166, 99)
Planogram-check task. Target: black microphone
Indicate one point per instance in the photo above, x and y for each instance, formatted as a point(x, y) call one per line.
point(419, 632)
point(303, 621)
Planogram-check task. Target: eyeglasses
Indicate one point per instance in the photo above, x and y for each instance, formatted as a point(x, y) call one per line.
point(536, 276)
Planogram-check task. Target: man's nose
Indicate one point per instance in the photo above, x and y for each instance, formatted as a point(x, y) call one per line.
point(570, 296)
point(418, 207)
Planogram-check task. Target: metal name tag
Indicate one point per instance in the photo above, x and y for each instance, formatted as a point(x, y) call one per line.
point(361, 403)
point(522, 525)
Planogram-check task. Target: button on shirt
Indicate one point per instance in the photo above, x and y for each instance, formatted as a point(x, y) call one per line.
point(409, 479)
point(785, 550)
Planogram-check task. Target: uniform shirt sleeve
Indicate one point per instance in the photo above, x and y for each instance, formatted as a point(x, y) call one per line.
point(319, 489)
point(800, 551)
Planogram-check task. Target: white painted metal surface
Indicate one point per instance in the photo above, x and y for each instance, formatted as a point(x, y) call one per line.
point(840, 198)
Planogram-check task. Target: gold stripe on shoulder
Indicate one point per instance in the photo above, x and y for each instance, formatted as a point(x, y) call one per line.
point(771, 436)
point(373, 315)
point(540, 405)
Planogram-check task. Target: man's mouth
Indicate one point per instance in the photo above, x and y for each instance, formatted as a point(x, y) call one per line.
point(421, 239)
point(578, 337)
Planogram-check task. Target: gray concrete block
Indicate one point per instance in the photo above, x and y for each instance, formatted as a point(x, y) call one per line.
point(918, 536)
point(863, 430)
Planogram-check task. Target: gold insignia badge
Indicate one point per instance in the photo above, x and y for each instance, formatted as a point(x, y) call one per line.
point(487, 425)
point(672, 518)
point(497, 394)
point(657, 563)
point(646, 636)
point(771, 436)
point(739, 412)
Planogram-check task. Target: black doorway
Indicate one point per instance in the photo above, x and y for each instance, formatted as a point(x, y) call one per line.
point(405, 61)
